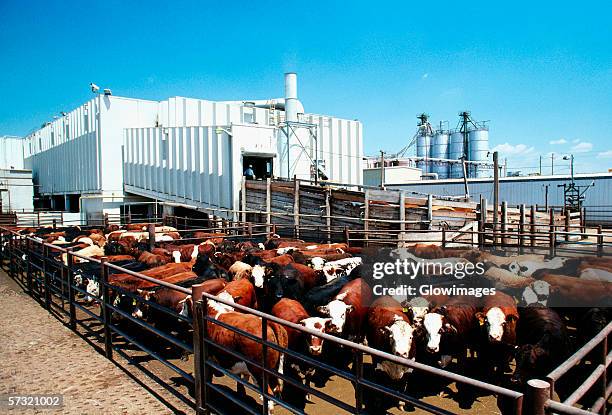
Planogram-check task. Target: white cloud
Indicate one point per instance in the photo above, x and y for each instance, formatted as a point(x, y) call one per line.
point(582, 147)
point(513, 150)
point(425, 75)
point(605, 155)
point(559, 141)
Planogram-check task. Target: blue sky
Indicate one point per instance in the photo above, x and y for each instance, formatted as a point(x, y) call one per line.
point(541, 72)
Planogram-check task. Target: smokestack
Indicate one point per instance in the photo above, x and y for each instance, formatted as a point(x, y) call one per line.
point(291, 99)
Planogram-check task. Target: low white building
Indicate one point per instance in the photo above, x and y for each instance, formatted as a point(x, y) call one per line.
point(184, 150)
point(11, 152)
point(16, 190)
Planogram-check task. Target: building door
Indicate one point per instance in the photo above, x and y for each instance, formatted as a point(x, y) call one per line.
point(261, 166)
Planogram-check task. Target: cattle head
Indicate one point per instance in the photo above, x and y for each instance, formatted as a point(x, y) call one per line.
point(495, 322)
point(317, 263)
point(401, 334)
point(435, 326)
point(337, 310)
point(258, 273)
point(315, 343)
point(528, 358)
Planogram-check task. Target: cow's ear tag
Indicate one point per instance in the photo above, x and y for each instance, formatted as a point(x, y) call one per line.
point(404, 310)
point(134, 301)
point(481, 322)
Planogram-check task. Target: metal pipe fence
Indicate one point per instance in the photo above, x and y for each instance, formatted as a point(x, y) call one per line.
point(47, 272)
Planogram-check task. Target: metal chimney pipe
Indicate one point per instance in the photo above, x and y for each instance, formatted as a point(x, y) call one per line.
point(291, 99)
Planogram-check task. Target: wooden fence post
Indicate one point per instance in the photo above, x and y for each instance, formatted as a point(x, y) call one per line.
point(567, 224)
point(583, 222)
point(483, 220)
point(429, 210)
point(504, 222)
point(522, 226)
point(600, 241)
point(366, 216)
point(151, 230)
point(551, 230)
point(243, 200)
point(532, 221)
point(268, 201)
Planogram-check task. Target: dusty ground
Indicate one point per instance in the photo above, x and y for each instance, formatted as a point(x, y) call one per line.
point(39, 355)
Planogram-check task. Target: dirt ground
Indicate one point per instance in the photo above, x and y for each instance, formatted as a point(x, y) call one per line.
point(39, 355)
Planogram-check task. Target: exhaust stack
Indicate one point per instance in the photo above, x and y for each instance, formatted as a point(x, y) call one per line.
point(292, 105)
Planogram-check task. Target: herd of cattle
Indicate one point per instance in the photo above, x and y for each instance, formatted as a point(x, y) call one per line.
point(536, 318)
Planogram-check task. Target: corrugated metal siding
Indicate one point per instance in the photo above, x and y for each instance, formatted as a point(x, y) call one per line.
point(68, 167)
point(11, 152)
point(515, 191)
point(191, 165)
point(67, 156)
point(340, 146)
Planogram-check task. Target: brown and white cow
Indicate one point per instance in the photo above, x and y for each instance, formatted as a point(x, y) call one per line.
point(226, 339)
point(348, 309)
point(388, 329)
point(293, 311)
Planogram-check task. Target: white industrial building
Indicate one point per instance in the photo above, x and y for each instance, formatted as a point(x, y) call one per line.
point(184, 150)
point(16, 190)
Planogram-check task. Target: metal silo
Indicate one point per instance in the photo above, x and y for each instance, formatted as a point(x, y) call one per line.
point(455, 152)
point(439, 150)
point(424, 150)
point(479, 147)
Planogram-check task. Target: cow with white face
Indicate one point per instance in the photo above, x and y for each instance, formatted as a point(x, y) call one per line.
point(337, 310)
point(319, 324)
point(389, 330)
point(348, 310)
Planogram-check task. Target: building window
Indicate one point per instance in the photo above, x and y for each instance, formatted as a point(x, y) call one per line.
point(67, 132)
point(52, 138)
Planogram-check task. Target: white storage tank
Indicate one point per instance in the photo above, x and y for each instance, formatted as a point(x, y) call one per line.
point(479, 148)
point(439, 150)
point(455, 152)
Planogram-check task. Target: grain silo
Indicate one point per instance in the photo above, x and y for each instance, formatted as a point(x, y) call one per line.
point(456, 152)
point(439, 150)
point(478, 150)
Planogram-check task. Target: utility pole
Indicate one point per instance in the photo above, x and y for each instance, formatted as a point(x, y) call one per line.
point(540, 164)
point(495, 192)
point(382, 169)
point(552, 164)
